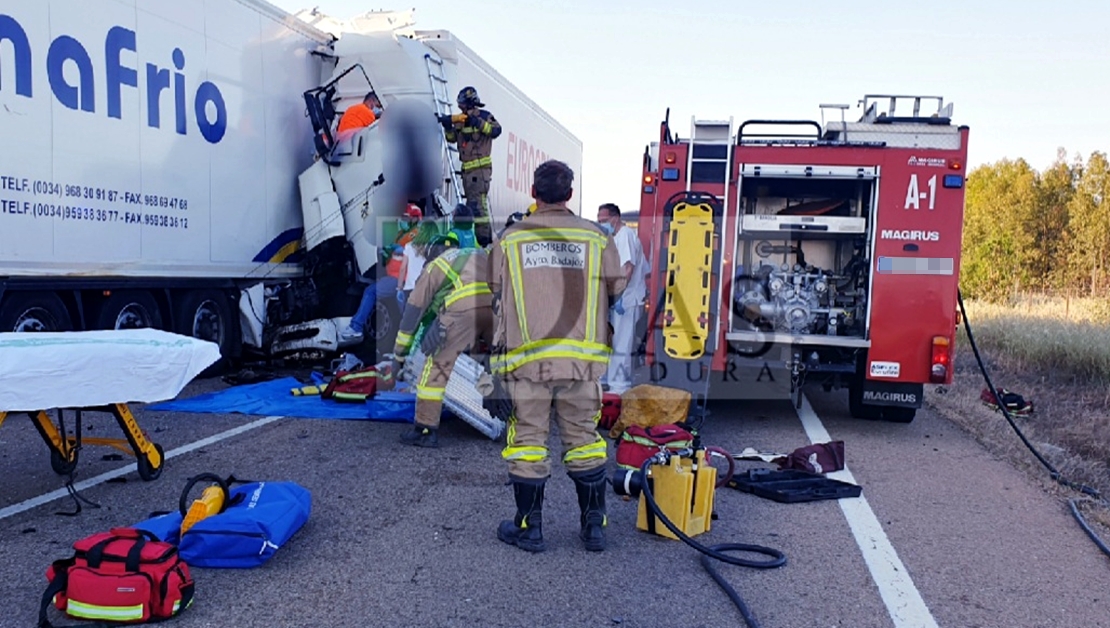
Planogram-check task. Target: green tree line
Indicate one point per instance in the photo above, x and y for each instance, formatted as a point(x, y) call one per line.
point(1037, 232)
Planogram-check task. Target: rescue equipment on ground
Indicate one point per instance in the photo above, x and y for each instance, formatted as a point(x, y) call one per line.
point(791, 486)
point(124, 575)
point(1014, 402)
point(357, 386)
point(466, 393)
point(817, 458)
point(257, 520)
point(679, 477)
point(214, 500)
point(637, 444)
point(610, 410)
point(648, 404)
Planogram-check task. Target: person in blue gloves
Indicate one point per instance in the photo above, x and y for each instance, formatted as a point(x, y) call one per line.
point(627, 309)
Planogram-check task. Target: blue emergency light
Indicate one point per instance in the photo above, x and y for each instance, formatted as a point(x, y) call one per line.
point(953, 181)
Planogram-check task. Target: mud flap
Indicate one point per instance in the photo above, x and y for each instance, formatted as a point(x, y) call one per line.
point(896, 394)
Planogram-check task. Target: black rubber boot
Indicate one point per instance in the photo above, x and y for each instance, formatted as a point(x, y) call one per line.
point(591, 487)
point(421, 436)
point(525, 530)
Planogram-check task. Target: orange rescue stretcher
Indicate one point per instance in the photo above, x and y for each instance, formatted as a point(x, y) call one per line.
point(103, 371)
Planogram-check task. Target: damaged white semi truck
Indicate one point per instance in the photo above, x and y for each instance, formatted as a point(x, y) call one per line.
point(175, 164)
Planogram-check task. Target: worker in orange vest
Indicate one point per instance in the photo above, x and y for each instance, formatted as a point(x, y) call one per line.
point(361, 115)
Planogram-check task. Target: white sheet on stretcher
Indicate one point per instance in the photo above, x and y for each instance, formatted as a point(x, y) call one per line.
point(45, 370)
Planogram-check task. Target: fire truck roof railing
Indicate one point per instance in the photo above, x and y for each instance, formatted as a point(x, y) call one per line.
point(871, 114)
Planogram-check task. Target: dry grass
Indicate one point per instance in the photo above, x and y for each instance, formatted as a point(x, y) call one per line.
point(1057, 355)
point(1071, 336)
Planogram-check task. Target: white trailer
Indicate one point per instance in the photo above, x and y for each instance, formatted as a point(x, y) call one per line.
point(161, 168)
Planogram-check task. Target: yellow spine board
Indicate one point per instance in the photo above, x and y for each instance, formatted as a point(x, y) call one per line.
point(210, 503)
point(688, 280)
point(674, 487)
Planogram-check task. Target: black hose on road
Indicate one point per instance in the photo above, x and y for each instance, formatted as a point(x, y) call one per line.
point(1053, 472)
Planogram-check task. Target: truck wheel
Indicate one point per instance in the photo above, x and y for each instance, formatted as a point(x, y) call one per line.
point(205, 314)
point(34, 311)
point(385, 321)
point(129, 309)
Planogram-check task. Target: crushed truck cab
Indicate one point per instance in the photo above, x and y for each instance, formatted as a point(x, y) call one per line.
point(835, 249)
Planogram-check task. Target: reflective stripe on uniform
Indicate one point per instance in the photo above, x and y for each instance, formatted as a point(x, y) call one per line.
point(594, 295)
point(597, 450)
point(516, 273)
point(461, 290)
point(469, 290)
point(529, 233)
point(477, 163)
point(94, 611)
point(550, 349)
point(403, 339)
point(423, 390)
point(524, 454)
point(527, 453)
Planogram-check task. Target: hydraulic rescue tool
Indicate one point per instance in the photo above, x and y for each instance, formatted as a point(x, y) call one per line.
point(686, 485)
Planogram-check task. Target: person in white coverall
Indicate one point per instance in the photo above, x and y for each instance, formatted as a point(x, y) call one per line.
point(627, 310)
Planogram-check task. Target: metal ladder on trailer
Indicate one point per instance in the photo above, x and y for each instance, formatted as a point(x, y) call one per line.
point(452, 163)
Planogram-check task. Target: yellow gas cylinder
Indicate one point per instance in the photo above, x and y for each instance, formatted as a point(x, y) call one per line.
point(211, 502)
point(684, 490)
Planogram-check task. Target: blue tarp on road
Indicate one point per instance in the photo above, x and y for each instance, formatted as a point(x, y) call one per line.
point(274, 398)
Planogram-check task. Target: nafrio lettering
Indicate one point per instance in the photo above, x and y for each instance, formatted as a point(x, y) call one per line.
point(913, 236)
point(209, 108)
point(555, 254)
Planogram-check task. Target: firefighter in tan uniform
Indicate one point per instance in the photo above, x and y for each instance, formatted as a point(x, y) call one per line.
point(553, 277)
point(474, 129)
point(453, 288)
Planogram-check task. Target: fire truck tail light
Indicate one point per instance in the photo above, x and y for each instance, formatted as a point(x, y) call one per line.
point(669, 158)
point(954, 164)
point(941, 360)
point(648, 179)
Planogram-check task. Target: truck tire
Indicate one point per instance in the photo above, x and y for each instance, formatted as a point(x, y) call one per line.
point(129, 309)
point(385, 321)
point(206, 314)
point(34, 311)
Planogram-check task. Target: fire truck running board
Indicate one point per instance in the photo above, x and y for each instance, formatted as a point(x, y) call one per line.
point(687, 311)
point(790, 339)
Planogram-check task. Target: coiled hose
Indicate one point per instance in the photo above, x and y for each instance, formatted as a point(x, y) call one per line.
point(716, 552)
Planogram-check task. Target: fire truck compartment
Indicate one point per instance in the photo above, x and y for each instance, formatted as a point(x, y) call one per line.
point(800, 265)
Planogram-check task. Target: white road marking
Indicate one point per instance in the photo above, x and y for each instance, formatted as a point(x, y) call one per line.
point(108, 475)
point(902, 599)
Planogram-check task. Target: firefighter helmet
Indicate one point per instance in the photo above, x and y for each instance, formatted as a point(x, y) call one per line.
point(446, 240)
point(468, 97)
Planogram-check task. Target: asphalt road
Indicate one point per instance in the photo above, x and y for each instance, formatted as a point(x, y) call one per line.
point(943, 535)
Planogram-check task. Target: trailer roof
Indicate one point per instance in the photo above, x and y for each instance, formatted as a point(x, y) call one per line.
point(288, 19)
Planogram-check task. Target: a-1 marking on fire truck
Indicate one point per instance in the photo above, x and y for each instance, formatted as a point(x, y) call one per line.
point(914, 195)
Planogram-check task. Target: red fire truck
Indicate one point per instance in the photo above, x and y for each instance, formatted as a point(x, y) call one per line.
point(831, 249)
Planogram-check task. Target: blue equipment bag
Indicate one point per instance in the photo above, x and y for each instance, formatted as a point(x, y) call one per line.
point(260, 518)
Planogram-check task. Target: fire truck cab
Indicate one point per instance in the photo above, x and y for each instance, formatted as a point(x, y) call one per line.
point(831, 249)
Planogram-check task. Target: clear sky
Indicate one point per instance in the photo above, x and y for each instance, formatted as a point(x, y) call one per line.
point(1026, 77)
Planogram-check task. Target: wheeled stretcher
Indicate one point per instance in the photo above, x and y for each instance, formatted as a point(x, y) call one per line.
point(97, 371)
